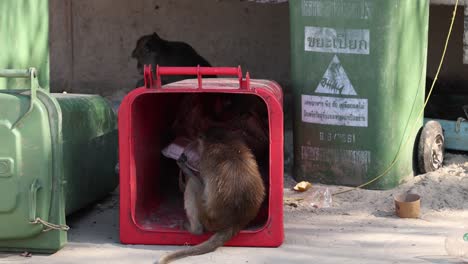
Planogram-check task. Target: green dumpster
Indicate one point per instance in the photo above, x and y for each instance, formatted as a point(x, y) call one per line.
point(57, 155)
point(358, 72)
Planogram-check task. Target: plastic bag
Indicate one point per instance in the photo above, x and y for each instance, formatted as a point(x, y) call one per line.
point(318, 197)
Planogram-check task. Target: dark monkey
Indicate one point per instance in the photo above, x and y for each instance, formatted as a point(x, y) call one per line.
point(154, 50)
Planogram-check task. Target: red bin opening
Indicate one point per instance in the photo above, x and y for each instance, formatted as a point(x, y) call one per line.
point(152, 210)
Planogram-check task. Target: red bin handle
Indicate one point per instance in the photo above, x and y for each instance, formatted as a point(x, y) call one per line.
point(198, 71)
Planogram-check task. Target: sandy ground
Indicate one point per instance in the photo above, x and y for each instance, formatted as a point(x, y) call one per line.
point(360, 227)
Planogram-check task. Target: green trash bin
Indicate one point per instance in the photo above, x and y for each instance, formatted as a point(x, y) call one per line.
point(358, 72)
point(57, 154)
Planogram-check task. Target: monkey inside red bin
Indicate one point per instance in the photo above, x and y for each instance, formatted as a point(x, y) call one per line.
point(224, 196)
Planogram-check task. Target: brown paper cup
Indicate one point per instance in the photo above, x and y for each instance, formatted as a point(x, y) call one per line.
point(407, 205)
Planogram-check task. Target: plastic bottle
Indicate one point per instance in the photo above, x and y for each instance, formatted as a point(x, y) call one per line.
point(456, 244)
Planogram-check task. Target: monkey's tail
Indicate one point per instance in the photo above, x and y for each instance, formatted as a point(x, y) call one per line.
point(217, 240)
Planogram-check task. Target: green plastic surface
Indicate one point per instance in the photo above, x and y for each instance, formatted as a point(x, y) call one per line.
point(57, 152)
point(24, 39)
point(358, 72)
point(90, 144)
point(57, 159)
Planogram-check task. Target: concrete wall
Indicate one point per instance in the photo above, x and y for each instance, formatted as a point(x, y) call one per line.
point(439, 23)
point(91, 40)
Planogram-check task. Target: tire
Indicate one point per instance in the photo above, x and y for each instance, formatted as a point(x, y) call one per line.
point(431, 147)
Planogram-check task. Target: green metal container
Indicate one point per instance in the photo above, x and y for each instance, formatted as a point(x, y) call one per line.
point(57, 155)
point(358, 71)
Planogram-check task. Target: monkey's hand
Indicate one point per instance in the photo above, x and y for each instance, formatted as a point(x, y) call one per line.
point(182, 181)
point(182, 162)
point(182, 159)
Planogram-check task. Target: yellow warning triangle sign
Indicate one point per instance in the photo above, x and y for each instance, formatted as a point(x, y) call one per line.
point(335, 80)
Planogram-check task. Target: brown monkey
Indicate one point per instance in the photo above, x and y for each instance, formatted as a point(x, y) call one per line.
point(225, 196)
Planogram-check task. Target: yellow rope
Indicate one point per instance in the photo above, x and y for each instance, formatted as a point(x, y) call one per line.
point(397, 156)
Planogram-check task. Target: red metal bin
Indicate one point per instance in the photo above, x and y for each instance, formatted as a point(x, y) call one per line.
point(151, 208)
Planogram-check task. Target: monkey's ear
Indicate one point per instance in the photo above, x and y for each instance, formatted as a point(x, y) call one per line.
point(153, 44)
point(156, 36)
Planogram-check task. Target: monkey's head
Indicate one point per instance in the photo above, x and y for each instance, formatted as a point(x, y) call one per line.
point(148, 50)
point(214, 134)
point(218, 135)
